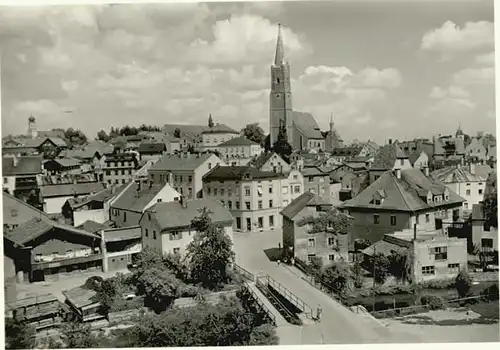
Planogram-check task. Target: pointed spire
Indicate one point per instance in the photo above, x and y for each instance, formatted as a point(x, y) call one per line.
point(279, 58)
point(331, 121)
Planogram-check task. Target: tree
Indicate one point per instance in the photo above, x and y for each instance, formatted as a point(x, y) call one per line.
point(400, 264)
point(357, 274)
point(210, 253)
point(331, 220)
point(267, 143)
point(177, 133)
point(338, 276)
point(18, 335)
point(78, 335)
point(160, 287)
point(224, 324)
point(102, 135)
point(210, 121)
point(254, 133)
point(381, 268)
point(281, 146)
point(463, 284)
point(75, 137)
point(490, 205)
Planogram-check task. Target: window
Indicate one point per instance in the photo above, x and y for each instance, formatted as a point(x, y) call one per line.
point(146, 232)
point(175, 178)
point(230, 204)
point(417, 219)
point(190, 178)
point(285, 190)
point(180, 178)
point(229, 192)
point(209, 165)
point(247, 191)
point(310, 179)
point(271, 220)
point(190, 192)
point(331, 241)
point(480, 191)
point(247, 205)
point(295, 177)
point(175, 236)
point(377, 201)
point(376, 219)
point(221, 191)
point(427, 218)
point(177, 250)
point(159, 200)
point(466, 206)
point(297, 189)
point(427, 270)
point(260, 204)
point(209, 190)
point(238, 205)
point(331, 257)
point(393, 220)
point(124, 216)
point(487, 242)
point(154, 234)
point(453, 268)
point(215, 191)
point(270, 203)
point(310, 257)
point(440, 253)
point(270, 189)
point(311, 243)
point(467, 192)
point(260, 222)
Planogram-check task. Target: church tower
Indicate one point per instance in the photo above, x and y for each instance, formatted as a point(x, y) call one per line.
point(281, 94)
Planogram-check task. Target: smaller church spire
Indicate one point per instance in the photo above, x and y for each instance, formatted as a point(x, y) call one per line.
point(331, 121)
point(279, 58)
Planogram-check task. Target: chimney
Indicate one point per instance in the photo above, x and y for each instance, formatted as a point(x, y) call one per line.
point(390, 141)
point(398, 173)
point(472, 168)
point(183, 201)
point(426, 171)
point(414, 232)
point(138, 183)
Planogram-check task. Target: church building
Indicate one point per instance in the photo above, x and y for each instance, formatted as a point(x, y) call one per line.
point(302, 130)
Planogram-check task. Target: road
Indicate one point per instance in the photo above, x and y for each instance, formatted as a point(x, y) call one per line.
point(338, 324)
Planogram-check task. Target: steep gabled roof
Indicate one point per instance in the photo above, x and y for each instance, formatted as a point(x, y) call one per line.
point(27, 165)
point(238, 173)
point(133, 200)
point(404, 194)
point(238, 141)
point(170, 215)
point(17, 212)
point(38, 226)
point(387, 155)
point(220, 129)
point(171, 162)
point(307, 125)
point(453, 174)
point(304, 200)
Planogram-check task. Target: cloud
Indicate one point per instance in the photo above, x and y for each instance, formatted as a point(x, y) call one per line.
point(450, 39)
point(475, 76)
point(488, 58)
point(244, 39)
point(452, 91)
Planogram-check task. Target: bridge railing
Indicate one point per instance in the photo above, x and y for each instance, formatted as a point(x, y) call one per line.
point(260, 303)
point(243, 273)
point(295, 300)
point(287, 314)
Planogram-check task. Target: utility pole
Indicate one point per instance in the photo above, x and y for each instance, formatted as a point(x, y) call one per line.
point(373, 287)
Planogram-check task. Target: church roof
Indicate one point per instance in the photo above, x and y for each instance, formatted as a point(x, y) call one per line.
point(279, 58)
point(307, 125)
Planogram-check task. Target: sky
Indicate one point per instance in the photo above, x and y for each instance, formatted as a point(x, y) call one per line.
point(384, 69)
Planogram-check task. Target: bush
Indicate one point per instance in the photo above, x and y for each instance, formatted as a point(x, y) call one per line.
point(463, 284)
point(439, 284)
point(434, 302)
point(188, 291)
point(93, 283)
point(490, 293)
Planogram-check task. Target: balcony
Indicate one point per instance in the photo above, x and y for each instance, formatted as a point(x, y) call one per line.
point(35, 265)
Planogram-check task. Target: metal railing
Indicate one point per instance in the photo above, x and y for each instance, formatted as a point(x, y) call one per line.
point(243, 273)
point(273, 299)
point(295, 300)
point(260, 303)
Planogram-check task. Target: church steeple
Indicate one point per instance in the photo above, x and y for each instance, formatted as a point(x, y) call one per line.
point(279, 58)
point(331, 123)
